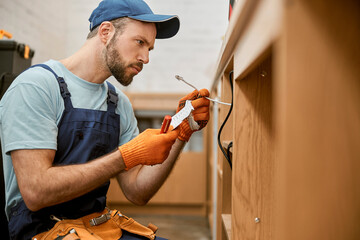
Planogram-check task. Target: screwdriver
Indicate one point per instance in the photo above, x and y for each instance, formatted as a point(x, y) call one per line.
point(182, 79)
point(165, 124)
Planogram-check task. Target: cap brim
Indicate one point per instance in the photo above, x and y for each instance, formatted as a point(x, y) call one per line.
point(167, 25)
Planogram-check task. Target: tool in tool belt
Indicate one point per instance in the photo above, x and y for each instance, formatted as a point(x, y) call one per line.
point(94, 221)
point(101, 219)
point(71, 235)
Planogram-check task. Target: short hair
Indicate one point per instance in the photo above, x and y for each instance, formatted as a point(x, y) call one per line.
point(118, 23)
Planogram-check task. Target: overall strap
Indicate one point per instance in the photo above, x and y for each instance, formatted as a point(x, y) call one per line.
point(64, 91)
point(112, 98)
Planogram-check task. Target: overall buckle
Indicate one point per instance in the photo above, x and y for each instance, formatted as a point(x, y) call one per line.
point(112, 97)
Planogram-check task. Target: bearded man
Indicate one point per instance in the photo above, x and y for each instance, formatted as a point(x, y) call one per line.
point(65, 131)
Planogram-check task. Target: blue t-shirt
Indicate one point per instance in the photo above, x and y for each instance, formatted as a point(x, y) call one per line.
point(32, 107)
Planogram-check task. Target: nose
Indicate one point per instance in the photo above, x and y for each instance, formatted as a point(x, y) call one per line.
point(144, 57)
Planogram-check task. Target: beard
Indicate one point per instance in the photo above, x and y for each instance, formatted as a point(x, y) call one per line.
point(117, 65)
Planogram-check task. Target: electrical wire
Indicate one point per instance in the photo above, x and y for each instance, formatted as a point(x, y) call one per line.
point(227, 154)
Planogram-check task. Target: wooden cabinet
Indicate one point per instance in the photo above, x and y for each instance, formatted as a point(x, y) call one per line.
point(295, 124)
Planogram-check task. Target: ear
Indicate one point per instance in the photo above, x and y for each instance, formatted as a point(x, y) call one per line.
point(106, 31)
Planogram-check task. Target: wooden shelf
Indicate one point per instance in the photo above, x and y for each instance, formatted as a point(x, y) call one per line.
point(226, 220)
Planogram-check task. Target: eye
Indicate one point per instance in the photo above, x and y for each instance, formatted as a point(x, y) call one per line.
point(140, 42)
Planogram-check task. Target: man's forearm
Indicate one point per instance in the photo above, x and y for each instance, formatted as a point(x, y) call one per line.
point(141, 183)
point(42, 184)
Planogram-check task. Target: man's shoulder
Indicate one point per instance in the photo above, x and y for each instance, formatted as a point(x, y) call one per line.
point(36, 75)
point(34, 85)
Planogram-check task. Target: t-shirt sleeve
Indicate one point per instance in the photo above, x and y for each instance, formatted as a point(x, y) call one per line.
point(128, 122)
point(28, 115)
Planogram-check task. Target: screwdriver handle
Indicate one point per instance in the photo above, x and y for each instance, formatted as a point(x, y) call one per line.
point(165, 124)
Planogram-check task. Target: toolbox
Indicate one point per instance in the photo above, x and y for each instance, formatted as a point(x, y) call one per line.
point(14, 58)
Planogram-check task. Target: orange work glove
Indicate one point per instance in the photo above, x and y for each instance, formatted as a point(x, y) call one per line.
point(148, 148)
point(200, 114)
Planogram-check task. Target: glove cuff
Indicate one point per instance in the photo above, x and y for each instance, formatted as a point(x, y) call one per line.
point(185, 131)
point(132, 152)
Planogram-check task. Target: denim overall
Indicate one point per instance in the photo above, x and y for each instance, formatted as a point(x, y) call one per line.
point(83, 135)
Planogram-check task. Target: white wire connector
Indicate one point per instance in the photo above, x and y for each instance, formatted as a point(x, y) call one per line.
point(182, 79)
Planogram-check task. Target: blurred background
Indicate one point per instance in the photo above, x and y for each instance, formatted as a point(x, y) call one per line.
point(56, 29)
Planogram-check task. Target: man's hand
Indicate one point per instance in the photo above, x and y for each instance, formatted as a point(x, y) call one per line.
point(148, 148)
point(200, 113)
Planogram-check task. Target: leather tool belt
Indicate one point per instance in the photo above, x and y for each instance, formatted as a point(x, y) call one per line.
point(104, 225)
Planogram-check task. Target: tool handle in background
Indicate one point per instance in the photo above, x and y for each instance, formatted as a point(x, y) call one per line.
point(5, 33)
point(165, 124)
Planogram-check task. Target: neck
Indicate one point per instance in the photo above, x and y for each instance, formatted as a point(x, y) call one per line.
point(87, 63)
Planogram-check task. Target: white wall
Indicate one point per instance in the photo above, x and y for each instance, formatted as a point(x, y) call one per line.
point(40, 24)
point(56, 29)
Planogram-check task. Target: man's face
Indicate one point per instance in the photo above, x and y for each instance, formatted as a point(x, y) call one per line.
point(127, 52)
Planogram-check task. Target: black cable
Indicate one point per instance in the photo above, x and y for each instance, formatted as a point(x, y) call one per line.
point(228, 149)
point(227, 117)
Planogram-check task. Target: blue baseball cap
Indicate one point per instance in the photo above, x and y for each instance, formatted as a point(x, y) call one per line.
point(166, 25)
